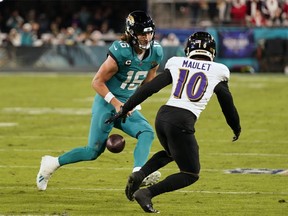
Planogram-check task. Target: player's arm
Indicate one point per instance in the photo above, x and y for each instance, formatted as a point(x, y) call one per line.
point(151, 74)
point(142, 94)
point(105, 72)
point(148, 89)
point(229, 110)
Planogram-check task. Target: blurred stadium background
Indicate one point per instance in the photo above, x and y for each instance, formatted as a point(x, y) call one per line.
point(73, 35)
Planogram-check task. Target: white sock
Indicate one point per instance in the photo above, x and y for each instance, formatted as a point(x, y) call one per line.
point(57, 162)
point(135, 169)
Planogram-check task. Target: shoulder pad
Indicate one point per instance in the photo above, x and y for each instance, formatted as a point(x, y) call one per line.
point(156, 44)
point(158, 48)
point(224, 69)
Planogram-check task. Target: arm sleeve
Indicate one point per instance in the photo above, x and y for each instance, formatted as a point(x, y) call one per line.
point(148, 89)
point(229, 110)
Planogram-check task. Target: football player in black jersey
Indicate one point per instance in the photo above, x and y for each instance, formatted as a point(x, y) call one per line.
point(194, 79)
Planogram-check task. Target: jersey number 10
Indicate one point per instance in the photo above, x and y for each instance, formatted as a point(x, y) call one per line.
point(195, 87)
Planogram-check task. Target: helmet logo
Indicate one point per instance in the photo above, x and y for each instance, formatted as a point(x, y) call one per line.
point(130, 20)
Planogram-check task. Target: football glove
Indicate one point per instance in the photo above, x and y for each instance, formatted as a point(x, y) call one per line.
point(236, 135)
point(116, 116)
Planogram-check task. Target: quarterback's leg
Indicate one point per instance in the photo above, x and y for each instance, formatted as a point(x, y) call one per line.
point(98, 134)
point(138, 127)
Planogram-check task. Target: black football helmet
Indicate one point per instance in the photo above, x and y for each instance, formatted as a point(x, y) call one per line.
point(200, 44)
point(138, 22)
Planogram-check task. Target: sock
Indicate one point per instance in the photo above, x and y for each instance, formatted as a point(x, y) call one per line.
point(158, 160)
point(135, 169)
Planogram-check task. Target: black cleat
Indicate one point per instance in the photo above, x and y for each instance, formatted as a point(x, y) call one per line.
point(133, 184)
point(143, 197)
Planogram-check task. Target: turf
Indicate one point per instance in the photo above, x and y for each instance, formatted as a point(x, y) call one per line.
point(49, 113)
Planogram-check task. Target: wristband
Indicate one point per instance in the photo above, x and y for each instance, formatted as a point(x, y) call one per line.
point(108, 97)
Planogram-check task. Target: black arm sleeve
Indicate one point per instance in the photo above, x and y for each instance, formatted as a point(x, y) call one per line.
point(148, 89)
point(229, 110)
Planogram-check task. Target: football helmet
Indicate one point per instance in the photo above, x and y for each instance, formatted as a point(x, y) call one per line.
point(138, 22)
point(200, 44)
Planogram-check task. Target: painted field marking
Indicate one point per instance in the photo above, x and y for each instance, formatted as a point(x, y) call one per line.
point(128, 138)
point(177, 191)
point(84, 111)
point(250, 154)
point(256, 170)
point(47, 110)
point(91, 168)
point(152, 152)
point(8, 124)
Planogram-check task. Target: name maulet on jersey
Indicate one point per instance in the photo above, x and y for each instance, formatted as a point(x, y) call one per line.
point(194, 81)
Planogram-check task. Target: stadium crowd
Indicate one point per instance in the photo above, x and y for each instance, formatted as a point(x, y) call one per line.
point(254, 13)
point(98, 24)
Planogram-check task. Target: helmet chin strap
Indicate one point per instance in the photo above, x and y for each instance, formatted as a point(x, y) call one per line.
point(135, 42)
point(144, 47)
point(147, 46)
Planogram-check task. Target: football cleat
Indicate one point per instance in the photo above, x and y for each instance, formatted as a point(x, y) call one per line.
point(48, 166)
point(152, 179)
point(143, 197)
point(133, 184)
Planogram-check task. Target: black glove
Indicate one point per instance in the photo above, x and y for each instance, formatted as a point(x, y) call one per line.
point(236, 135)
point(118, 115)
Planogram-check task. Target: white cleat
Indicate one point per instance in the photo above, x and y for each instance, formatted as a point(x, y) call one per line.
point(48, 166)
point(152, 179)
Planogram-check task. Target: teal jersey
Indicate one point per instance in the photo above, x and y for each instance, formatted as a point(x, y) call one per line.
point(131, 70)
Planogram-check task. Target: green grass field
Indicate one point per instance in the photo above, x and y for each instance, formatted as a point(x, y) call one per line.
point(50, 114)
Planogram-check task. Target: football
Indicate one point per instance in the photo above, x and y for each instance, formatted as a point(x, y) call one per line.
point(115, 143)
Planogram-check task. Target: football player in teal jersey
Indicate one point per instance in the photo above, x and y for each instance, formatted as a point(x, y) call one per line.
point(131, 61)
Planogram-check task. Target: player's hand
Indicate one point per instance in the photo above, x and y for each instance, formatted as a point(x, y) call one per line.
point(236, 135)
point(118, 115)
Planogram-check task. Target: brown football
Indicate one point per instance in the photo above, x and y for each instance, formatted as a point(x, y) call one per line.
point(115, 143)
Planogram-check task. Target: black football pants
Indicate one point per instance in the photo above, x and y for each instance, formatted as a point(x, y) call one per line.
point(175, 131)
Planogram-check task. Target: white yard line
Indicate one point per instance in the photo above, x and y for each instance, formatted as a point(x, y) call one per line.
point(178, 191)
point(130, 152)
point(8, 124)
point(47, 110)
point(93, 168)
point(128, 138)
point(250, 154)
